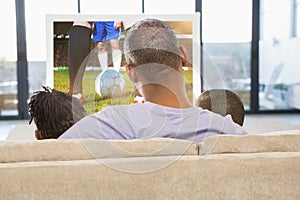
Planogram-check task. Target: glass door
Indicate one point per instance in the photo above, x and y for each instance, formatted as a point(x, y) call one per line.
point(279, 62)
point(226, 37)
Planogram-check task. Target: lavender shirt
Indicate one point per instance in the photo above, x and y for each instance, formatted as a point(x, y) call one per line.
point(148, 120)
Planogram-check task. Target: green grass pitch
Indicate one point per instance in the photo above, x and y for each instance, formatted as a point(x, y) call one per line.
point(94, 102)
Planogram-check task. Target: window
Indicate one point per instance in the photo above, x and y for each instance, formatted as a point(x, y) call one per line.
point(8, 58)
point(278, 59)
point(226, 36)
point(36, 12)
point(274, 26)
point(298, 18)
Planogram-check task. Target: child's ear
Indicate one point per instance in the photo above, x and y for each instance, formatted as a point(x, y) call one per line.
point(37, 135)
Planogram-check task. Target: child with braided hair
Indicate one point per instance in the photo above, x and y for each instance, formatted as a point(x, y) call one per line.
point(53, 112)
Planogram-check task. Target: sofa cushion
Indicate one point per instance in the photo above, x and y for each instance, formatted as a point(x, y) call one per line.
point(281, 141)
point(219, 176)
point(84, 149)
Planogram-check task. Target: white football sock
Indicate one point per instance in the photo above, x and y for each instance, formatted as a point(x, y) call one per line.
point(117, 58)
point(78, 96)
point(103, 60)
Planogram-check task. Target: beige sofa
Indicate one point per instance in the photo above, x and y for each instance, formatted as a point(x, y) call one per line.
point(265, 166)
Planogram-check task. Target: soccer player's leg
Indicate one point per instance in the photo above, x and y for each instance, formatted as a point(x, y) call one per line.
point(116, 54)
point(99, 36)
point(102, 56)
point(113, 35)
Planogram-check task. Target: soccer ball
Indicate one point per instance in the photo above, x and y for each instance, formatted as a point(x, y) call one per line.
point(110, 83)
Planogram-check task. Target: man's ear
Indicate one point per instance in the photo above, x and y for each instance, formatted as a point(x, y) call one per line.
point(127, 68)
point(180, 69)
point(131, 73)
point(37, 135)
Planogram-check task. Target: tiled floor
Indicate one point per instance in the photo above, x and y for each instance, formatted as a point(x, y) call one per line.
point(6, 129)
point(254, 124)
point(16, 129)
point(271, 122)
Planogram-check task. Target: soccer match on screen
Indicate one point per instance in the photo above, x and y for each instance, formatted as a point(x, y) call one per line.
point(89, 62)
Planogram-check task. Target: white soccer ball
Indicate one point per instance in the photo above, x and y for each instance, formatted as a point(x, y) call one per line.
point(110, 83)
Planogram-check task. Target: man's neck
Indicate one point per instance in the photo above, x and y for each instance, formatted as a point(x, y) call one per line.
point(163, 96)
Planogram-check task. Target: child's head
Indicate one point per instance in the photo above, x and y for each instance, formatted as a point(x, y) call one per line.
point(53, 112)
point(223, 102)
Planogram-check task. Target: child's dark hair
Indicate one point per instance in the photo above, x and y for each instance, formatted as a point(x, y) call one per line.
point(54, 112)
point(223, 102)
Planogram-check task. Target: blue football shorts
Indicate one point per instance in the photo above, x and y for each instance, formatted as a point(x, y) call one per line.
point(104, 30)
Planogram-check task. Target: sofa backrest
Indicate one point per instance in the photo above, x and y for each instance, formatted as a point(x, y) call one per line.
point(85, 149)
point(281, 141)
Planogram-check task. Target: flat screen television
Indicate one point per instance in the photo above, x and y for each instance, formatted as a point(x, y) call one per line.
point(186, 27)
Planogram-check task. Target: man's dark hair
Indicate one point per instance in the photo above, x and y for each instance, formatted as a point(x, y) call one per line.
point(54, 112)
point(223, 102)
point(151, 41)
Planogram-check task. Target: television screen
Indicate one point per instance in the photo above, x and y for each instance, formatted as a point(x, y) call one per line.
point(105, 56)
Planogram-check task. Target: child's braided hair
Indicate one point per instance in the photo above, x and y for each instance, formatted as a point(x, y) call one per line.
point(54, 112)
